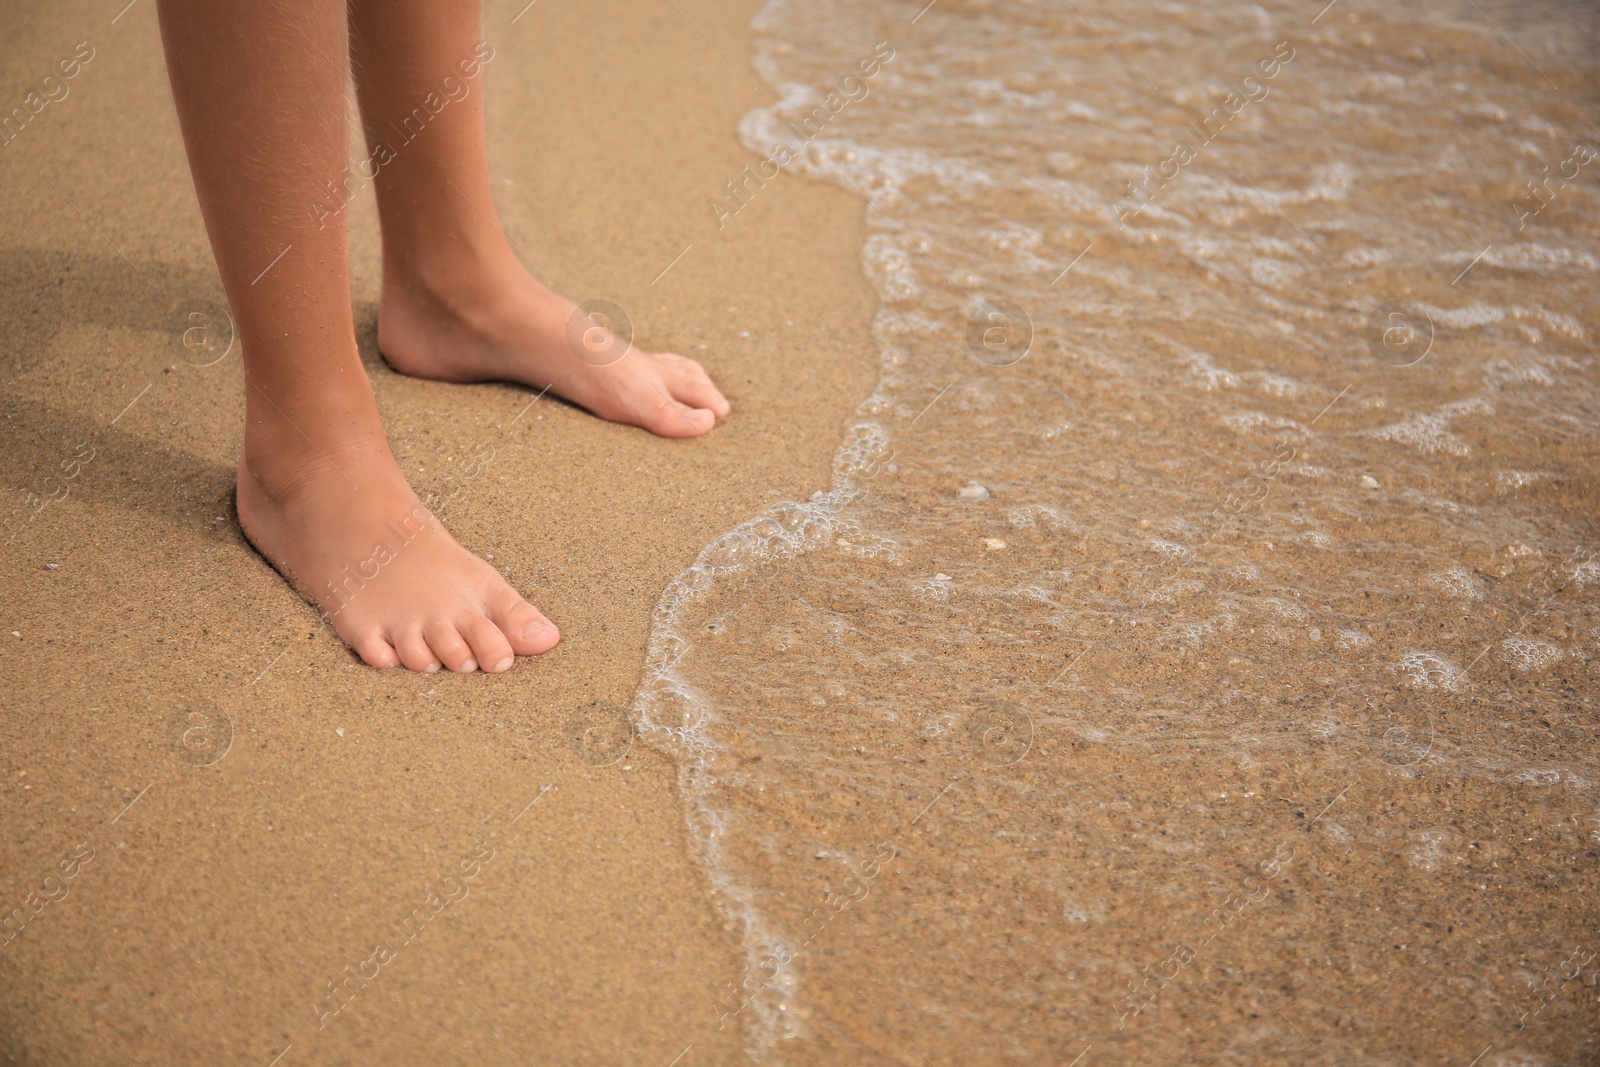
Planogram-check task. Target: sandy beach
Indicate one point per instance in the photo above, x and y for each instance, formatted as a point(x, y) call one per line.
point(219, 906)
point(1140, 609)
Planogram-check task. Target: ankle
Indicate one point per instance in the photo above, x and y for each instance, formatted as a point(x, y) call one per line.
point(295, 438)
point(456, 276)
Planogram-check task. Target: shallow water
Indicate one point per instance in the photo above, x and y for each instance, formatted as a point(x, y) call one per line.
point(1195, 655)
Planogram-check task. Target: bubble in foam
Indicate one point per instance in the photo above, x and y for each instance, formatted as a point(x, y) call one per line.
point(1429, 670)
point(1528, 654)
point(1457, 582)
point(889, 268)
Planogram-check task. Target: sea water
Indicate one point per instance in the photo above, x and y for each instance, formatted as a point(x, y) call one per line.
point(1194, 656)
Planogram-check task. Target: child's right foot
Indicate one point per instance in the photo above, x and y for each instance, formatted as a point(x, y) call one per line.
point(324, 501)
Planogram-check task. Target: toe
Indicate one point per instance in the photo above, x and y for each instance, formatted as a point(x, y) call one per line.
point(415, 653)
point(690, 384)
point(524, 626)
point(449, 646)
point(671, 418)
point(488, 643)
point(374, 650)
point(685, 422)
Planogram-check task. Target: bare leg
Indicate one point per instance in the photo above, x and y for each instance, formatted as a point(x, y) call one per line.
point(457, 304)
point(260, 90)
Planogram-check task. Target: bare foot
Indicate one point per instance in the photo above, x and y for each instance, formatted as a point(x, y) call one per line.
point(323, 500)
point(481, 317)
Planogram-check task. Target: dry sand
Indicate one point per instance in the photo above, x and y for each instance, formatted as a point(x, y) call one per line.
point(140, 630)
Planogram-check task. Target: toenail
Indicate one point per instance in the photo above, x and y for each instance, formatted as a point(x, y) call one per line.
point(534, 629)
point(503, 665)
point(469, 666)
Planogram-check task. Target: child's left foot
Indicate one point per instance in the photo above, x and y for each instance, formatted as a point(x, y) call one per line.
point(482, 317)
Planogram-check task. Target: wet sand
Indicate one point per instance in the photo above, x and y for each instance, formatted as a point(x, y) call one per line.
point(1187, 665)
point(217, 810)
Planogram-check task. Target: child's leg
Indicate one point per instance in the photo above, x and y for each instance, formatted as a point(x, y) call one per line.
point(457, 304)
point(260, 90)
